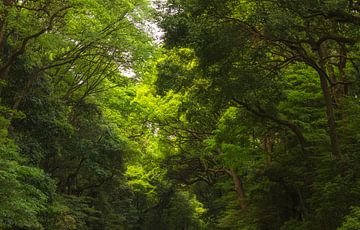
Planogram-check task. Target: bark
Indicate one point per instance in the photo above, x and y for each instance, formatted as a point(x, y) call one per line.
point(335, 146)
point(342, 66)
point(238, 184)
point(2, 35)
point(8, 2)
point(338, 83)
point(320, 68)
point(267, 144)
point(304, 210)
point(239, 188)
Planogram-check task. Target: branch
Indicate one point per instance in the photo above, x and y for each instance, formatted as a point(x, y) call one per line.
point(262, 113)
point(4, 68)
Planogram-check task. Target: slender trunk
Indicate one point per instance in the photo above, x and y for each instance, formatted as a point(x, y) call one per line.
point(304, 210)
point(336, 89)
point(2, 44)
point(238, 185)
point(239, 189)
point(267, 144)
point(335, 146)
point(2, 35)
point(342, 66)
point(338, 80)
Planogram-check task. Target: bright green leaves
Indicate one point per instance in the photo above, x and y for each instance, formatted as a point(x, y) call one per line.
point(227, 129)
point(351, 221)
point(69, 133)
point(176, 70)
point(140, 180)
point(236, 140)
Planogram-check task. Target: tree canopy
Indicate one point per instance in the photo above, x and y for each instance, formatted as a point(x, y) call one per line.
point(244, 115)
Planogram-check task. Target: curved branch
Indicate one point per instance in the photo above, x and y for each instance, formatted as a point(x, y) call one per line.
point(293, 127)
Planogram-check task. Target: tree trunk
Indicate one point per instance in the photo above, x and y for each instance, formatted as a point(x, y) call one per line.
point(335, 146)
point(342, 66)
point(239, 189)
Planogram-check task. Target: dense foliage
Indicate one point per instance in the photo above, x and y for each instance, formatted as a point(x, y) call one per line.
point(245, 116)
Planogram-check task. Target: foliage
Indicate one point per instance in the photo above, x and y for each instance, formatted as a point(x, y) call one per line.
point(246, 115)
